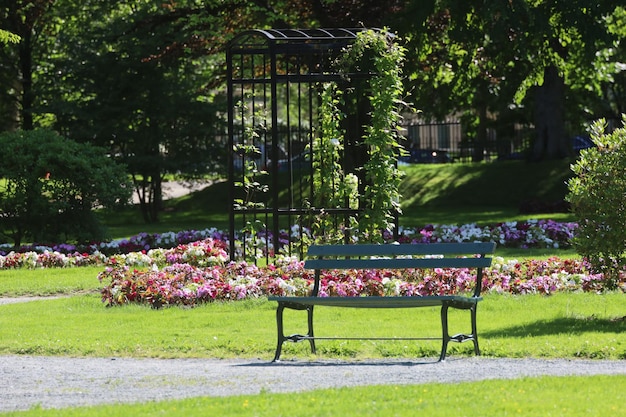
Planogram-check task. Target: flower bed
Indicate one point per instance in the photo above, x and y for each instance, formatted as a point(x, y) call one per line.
point(146, 249)
point(192, 267)
point(186, 284)
point(49, 259)
point(137, 243)
point(526, 234)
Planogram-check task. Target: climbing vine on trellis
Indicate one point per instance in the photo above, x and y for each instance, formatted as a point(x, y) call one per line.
point(377, 195)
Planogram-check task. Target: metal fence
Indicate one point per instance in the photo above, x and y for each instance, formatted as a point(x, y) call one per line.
point(446, 141)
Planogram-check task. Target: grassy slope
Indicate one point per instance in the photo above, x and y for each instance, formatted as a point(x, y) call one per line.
point(452, 193)
point(495, 184)
point(462, 193)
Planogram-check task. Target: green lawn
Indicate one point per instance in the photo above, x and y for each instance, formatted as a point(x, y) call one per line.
point(49, 281)
point(572, 325)
point(547, 396)
point(568, 325)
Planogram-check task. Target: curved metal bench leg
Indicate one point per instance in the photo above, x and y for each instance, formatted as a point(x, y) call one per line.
point(445, 336)
point(310, 334)
point(281, 335)
point(475, 331)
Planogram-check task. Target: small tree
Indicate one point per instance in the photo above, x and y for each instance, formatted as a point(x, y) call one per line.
point(50, 185)
point(598, 197)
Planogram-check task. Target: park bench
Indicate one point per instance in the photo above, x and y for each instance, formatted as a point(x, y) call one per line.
point(390, 256)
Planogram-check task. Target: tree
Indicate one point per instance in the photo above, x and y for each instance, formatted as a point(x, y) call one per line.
point(355, 13)
point(6, 79)
point(51, 186)
point(565, 37)
point(142, 79)
point(612, 71)
point(30, 20)
point(143, 95)
point(596, 194)
point(489, 57)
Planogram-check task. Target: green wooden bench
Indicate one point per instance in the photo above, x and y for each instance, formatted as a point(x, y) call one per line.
point(390, 256)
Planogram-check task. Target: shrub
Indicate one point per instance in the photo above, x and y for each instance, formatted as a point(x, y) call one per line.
point(597, 195)
point(51, 184)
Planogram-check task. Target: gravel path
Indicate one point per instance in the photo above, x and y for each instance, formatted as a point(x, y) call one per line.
point(56, 382)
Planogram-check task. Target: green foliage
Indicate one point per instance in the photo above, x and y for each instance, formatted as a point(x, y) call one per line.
point(251, 182)
point(328, 174)
point(484, 59)
point(381, 136)
point(8, 37)
point(375, 53)
point(123, 78)
point(597, 195)
point(51, 186)
point(333, 187)
point(248, 154)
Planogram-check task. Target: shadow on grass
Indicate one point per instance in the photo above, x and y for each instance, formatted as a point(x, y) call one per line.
point(565, 325)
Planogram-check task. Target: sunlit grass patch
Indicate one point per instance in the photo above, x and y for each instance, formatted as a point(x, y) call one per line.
point(544, 396)
point(568, 325)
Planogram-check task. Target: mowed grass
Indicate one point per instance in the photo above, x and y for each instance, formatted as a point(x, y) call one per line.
point(49, 281)
point(565, 325)
point(545, 396)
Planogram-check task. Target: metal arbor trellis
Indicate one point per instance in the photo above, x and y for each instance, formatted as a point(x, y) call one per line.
point(275, 78)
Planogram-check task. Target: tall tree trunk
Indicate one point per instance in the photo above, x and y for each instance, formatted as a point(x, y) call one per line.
point(551, 137)
point(481, 132)
point(26, 69)
point(481, 135)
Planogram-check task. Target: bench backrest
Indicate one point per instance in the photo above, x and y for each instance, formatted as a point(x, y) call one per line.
point(400, 256)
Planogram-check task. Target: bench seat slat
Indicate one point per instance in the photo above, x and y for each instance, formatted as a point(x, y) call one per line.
point(403, 249)
point(378, 301)
point(397, 263)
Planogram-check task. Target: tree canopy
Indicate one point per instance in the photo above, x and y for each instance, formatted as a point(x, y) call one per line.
point(145, 79)
point(530, 57)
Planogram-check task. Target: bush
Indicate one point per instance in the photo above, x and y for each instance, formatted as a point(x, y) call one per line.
point(49, 186)
point(597, 196)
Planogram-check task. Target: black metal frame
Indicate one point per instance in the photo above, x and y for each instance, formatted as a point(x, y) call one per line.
point(274, 79)
point(445, 338)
